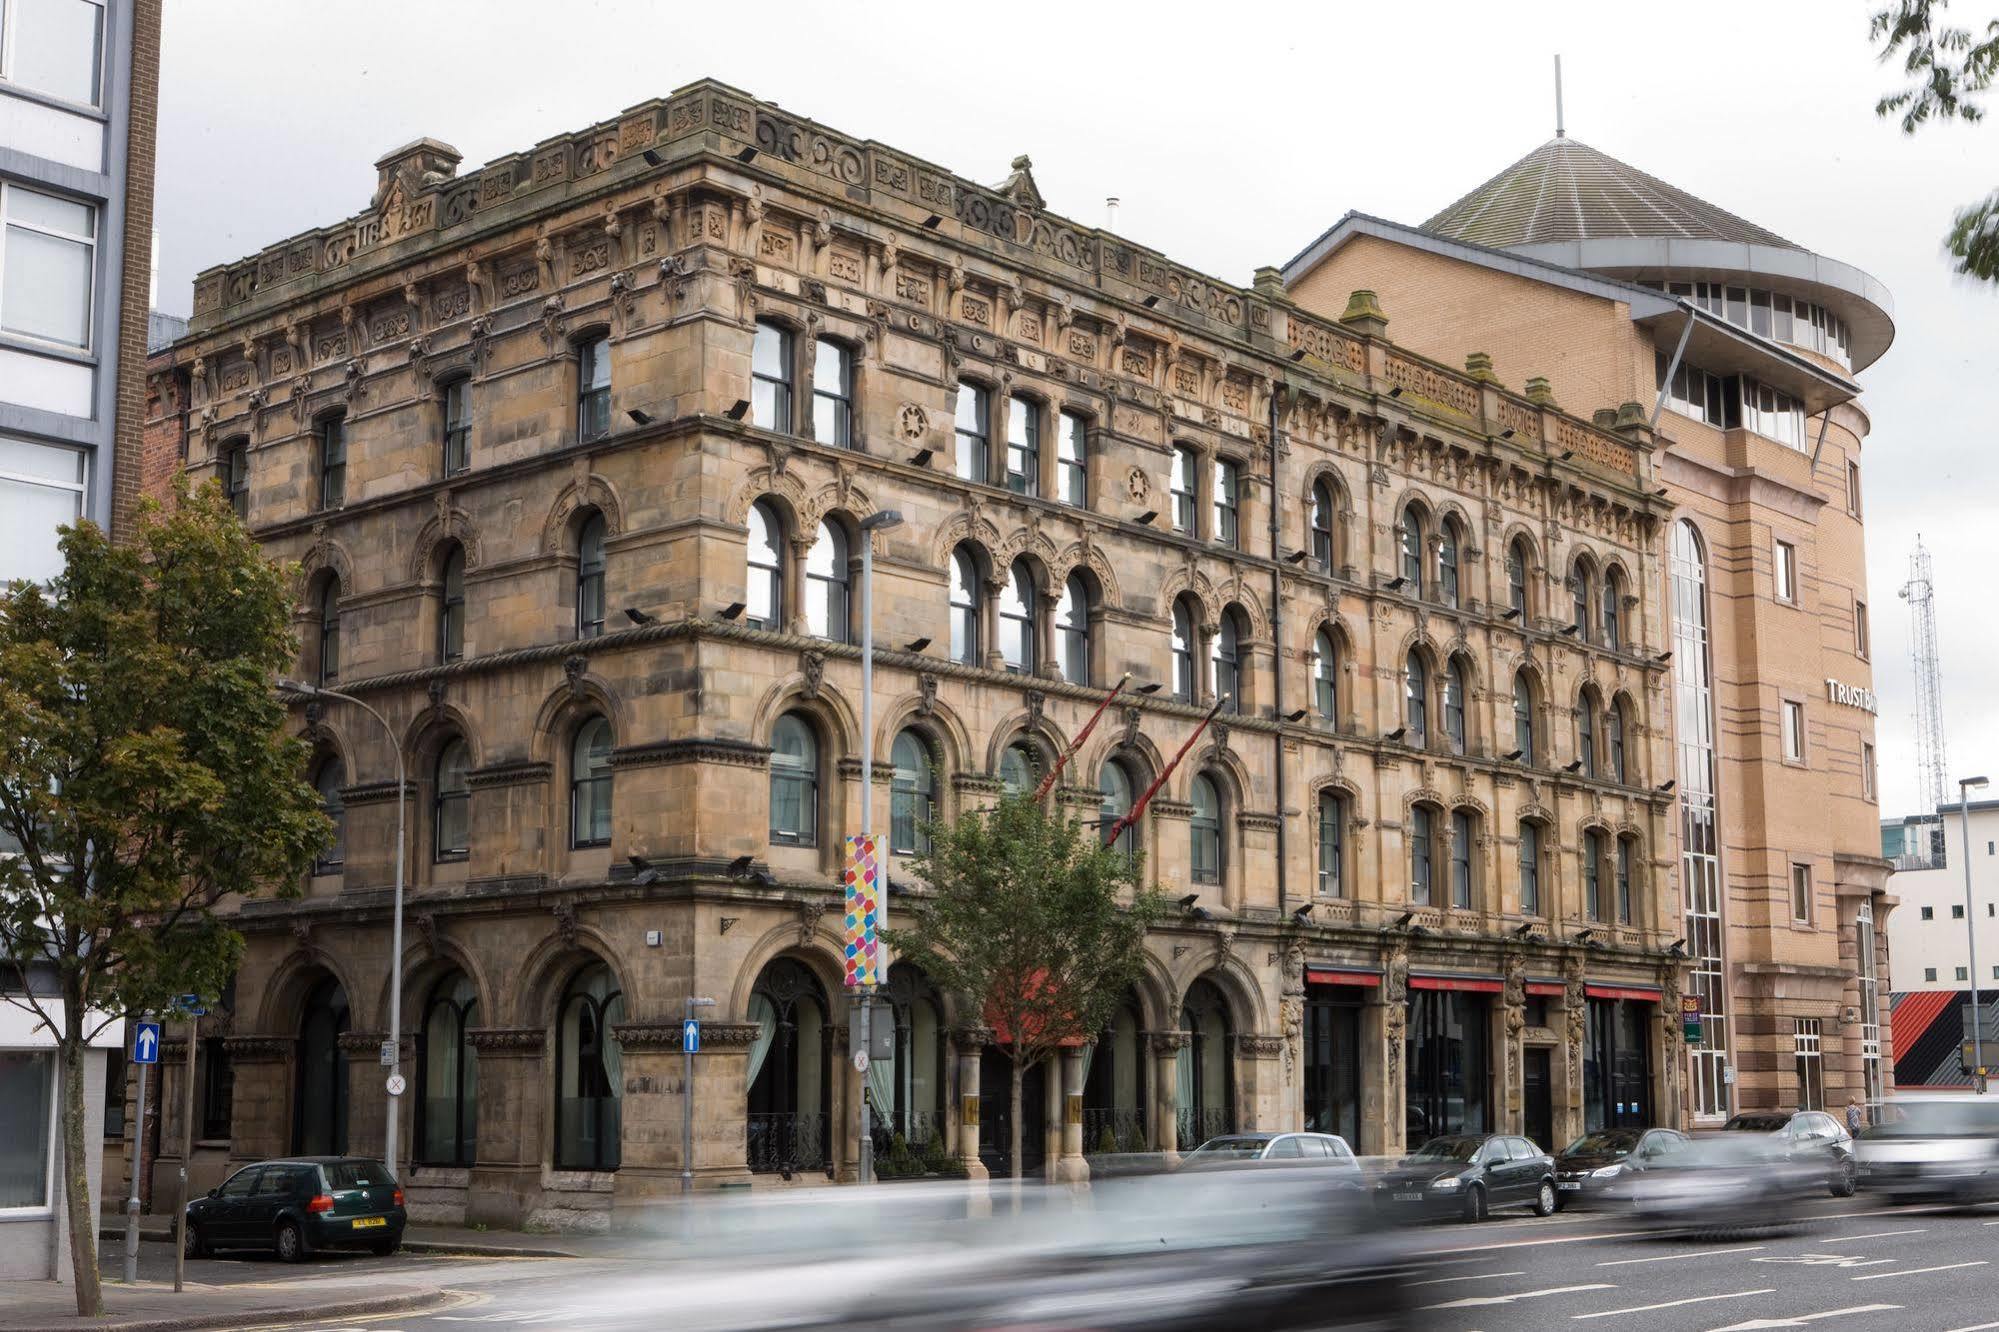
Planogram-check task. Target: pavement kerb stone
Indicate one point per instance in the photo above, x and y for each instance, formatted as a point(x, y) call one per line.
point(109, 1236)
point(200, 1322)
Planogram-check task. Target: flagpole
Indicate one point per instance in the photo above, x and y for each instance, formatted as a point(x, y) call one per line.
point(1138, 806)
point(1041, 791)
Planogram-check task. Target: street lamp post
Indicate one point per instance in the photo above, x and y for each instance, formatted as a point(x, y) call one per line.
point(1965, 786)
point(883, 521)
point(392, 1131)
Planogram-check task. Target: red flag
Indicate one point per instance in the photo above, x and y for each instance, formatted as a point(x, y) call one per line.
point(1041, 791)
point(1138, 806)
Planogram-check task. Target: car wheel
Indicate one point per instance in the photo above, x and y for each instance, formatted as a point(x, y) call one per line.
point(383, 1248)
point(192, 1244)
point(1545, 1201)
point(1843, 1186)
point(1475, 1204)
point(290, 1242)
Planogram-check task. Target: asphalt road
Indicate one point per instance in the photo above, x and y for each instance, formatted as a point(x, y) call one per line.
point(1852, 1265)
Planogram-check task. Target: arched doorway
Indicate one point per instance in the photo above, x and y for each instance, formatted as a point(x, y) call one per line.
point(448, 1073)
point(789, 1078)
point(319, 1113)
point(589, 1072)
point(1205, 1068)
point(996, 1114)
point(1115, 1083)
point(907, 1091)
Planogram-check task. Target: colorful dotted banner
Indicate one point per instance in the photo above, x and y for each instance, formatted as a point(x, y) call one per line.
point(860, 876)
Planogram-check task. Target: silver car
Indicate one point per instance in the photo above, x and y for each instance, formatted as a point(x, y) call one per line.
point(1933, 1151)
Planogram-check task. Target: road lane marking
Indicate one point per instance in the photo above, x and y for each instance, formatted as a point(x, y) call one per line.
point(1755, 1324)
point(1479, 1301)
point(1976, 1327)
point(1822, 1260)
point(1526, 1244)
point(1883, 1234)
point(1476, 1276)
point(1918, 1271)
point(1674, 1304)
point(1675, 1257)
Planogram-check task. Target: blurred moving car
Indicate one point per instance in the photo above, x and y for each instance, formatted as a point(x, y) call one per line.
point(1601, 1165)
point(1933, 1150)
point(295, 1206)
point(1730, 1181)
point(1808, 1137)
point(1467, 1175)
point(1295, 1148)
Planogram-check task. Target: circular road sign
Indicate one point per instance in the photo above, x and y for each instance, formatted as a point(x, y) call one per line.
point(396, 1084)
point(860, 1061)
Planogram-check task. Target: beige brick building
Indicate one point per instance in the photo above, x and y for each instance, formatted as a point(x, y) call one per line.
point(576, 452)
point(1611, 285)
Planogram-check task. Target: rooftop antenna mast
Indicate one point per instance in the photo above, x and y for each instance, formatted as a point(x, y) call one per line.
point(1560, 131)
point(1932, 767)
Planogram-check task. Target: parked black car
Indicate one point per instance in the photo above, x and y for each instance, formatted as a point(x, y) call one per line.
point(1467, 1175)
point(1602, 1164)
point(1810, 1138)
point(295, 1206)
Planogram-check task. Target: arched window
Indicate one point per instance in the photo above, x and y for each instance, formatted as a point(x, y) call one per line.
point(451, 618)
point(1699, 878)
point(329, 631)
point(833, 393)
point(1523, 718)
point(590, 784)
point(589, 1072)
point(1422, 855)
point(1516, 579)
point(451, 802)
point(1409, 538)
point(1321, 534)
point(764, 595)
point(448, 1072)
point(794, 782)
point(1072, 629)
point(1613, 610)
point(1225, 655)
point(1204, 1071)
point(1185, 490)
point(1454, 705)
point(319, 1110)
point(913, 796)
point(1016, 619)
point(1587, 705)
point(1416, 699)
point(1186, 682)
point(1020, 768)
point(789, 1075)
point(1116, 1085)
point(1447, 563)
point(1464, 837)
point(826, 584)
point(908, 1088)
point(1205, 832)
point(1619, 727)
point(1593, 874)
point(1530, 868)
point(1325, 677)
point(590, 577)
point(1332, 844)
point(964, 608)
point(1582, 584)
point(327, 780)
point(1627, 852)
point(1116, 792)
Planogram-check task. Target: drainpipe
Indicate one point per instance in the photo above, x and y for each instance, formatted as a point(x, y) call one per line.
point(1277, 646)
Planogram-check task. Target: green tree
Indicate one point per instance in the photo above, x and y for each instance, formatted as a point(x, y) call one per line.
point(1034, 924)
point(147, 775)
point(1948, 68)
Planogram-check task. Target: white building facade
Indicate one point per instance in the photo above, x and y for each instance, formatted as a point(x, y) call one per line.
point(1929, 945)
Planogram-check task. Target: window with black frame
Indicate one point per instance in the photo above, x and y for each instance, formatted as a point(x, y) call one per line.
point(794, 782)
point(218, 1090)
point(1116, 1084)
point(833, 393)
point(1449, 1052)
point(457, 407)
point(1072, 629)
point(448, 1075)
point(906, 1090)
point(590, 576)
point(912, 794)
point(451, 607)
point(1023, 445)
point(236, 476)
point(770, 377)
point(593, 389)
point(764, 588)
point(828, 585)
point(451, 801)
point(1116, 791)
point(327, 779)
point(332, 461)
point(590, 784)
point(789, 1074)
point(589, 1072)
point(1204, 1068)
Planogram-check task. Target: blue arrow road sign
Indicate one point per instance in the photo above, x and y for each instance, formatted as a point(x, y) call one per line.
point(690, 1036)
point(191, 1005)
point(146, 1044)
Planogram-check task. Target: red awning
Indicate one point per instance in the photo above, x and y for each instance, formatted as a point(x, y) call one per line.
point(1478, 984)
point(1645, 994)
point(1554, 988)
point(1323, 976)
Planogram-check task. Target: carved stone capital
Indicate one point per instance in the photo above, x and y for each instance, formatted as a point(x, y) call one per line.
point(1170, 1042)
point(971, 1040)
point(259, 1049)
point(508, 1042)
point(728, 1037)
point(1257, 1045)
point(648, 1037)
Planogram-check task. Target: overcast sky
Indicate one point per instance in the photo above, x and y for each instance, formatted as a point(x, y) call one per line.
point(1233, 135)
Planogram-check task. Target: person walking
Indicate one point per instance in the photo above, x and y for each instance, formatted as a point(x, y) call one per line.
point(1854, 1116)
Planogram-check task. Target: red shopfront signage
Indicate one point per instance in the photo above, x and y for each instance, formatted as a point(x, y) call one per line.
point(1547, 989)
point(1644, 994)
point(1327, 976)
point(1476, 984)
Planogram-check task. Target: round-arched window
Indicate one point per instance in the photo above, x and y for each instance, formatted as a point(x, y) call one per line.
point(913, 797)
point(794, 782)
point(590, 784)
point(448, 1074)
point(589, 1072)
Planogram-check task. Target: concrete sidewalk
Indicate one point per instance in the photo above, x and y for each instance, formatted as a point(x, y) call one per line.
point(152, 1306)
point(460, 1240)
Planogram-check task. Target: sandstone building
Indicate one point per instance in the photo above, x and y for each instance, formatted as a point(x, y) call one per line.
point(577, 452)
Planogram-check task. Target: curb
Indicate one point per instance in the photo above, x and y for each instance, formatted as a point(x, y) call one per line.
point(440, 1248)
point(379, 1304)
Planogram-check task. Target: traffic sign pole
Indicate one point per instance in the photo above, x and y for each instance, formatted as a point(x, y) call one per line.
point(186, 1140)
point(690, 1043)
point(140, 1032)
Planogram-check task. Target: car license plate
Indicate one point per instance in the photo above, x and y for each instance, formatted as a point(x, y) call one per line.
point(368, 1222)
point(1569, 1184)
point(1409, 1197)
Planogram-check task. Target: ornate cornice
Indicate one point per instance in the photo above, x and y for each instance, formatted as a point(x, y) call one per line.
point(1172, 809)
point(504, 1042)
point(259, 1049)
point(1256, 822)
point(661, 753)
point(371, 793)
point(976, 783)
point(520, 772)
point(648, 1037)
point(717, 1037)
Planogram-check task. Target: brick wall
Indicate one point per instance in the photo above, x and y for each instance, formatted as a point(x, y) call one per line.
point(126, 482)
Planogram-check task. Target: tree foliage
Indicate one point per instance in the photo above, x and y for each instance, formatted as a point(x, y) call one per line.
point(1034, 924)
point(1949, 68)
point(147, 775)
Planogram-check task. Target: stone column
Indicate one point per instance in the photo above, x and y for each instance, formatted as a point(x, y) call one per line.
point(1070, 1167)
point(721, 1100)
point(843, 1131)
point(1166, 1048)
point(1257, 1081)
point(367, 1113)
point(969, 1043)
point(513, 1101)
point(261, 1099)
point(648, 1109)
